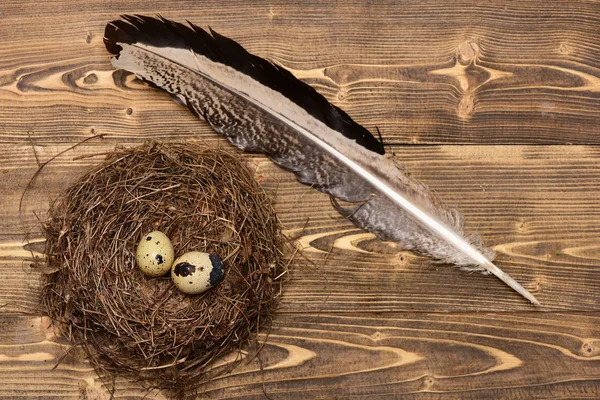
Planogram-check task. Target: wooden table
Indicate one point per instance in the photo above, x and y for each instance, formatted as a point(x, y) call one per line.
point(496, 105)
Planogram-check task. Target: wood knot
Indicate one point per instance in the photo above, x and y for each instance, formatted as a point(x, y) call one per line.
point(468, 51)
point(402, 260)
point(564, 49)
point(465, 107)
point(89, 37)
point(341, 95)
point(90, 79)
point(590, 348)
point(129, 111)
point(428, 381)
point(538, 286)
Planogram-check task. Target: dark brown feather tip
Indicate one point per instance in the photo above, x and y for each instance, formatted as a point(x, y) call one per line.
point(161, 32)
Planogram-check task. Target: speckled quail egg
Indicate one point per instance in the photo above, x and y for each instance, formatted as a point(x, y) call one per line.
point(155, 254)
point(196, 272)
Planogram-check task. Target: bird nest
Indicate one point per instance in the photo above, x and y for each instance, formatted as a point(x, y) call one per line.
point(203, 200)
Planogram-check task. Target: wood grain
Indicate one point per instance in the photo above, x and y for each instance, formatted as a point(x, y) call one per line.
point(437, 72)
point(401, 356)
point(493, 104)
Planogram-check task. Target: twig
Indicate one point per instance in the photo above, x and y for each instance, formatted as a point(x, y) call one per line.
point(42, 165)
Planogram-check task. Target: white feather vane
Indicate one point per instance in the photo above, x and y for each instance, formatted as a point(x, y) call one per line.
point(261, 107)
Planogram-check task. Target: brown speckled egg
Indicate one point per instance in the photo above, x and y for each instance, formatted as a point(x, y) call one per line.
point(196, 272)
point(155, 254)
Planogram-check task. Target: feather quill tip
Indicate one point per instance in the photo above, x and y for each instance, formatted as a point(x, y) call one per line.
point(504, 277)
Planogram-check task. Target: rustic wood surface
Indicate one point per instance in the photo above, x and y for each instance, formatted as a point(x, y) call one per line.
point(493, 104)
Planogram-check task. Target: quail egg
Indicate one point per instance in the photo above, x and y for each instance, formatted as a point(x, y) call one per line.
point(155, 254)
point(196, 272)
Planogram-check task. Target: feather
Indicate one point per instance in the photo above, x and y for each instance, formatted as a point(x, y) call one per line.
point(261, 107)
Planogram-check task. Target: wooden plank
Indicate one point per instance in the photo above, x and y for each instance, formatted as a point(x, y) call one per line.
point(441, 72)
point(401, 356)
point(29, 353)
point(537, 206)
